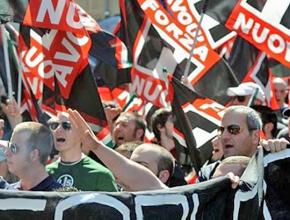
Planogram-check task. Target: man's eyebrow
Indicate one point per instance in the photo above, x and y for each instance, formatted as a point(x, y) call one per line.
point(116, 117)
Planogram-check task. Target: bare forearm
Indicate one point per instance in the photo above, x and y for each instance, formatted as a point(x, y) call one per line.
point(132, 174)
point(14, 120)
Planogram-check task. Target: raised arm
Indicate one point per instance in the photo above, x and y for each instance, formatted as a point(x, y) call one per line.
point(133, 175)
point(12, 111)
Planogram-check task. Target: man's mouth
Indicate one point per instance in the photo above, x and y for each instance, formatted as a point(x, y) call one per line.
point(120, 138)
point(227, 146)
point(216, 150)
point(60, 140)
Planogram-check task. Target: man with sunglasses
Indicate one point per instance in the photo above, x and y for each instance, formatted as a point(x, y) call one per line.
point(27, 154)
point(73, 168)
point(240, 136)
point(245, 93)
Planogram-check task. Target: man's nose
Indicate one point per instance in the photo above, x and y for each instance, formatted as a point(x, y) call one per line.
point(117, 127)
point(225, 135)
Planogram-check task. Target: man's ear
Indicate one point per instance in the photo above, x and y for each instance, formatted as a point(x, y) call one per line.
point(159, 126)
point(140, 133)
point(164, 176)
point(256, 137)
point(34, 155)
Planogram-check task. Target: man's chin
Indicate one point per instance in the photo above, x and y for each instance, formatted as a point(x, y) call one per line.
point(60, 146)
point(229, 153)
point(119, 142)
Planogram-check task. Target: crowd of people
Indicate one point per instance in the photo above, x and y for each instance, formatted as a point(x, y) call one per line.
point(84, 163)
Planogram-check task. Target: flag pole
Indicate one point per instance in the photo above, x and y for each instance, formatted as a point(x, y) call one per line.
point(7, 63)
point(19, 68)
point(132, 97)
point(253, 97)
point(11, 47)
point(186, 71)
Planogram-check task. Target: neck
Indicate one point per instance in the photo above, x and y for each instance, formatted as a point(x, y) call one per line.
point(71, 155)
point(253, 151)
point(282, 104)
point(33, 177)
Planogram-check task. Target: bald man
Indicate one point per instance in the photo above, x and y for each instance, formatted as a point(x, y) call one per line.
point(280, 90)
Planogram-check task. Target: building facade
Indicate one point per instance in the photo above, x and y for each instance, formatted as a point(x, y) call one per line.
point(100, 9)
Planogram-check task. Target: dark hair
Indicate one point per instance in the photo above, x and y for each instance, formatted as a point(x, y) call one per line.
point(159, 118)
point(268, 116)
point(140, 123)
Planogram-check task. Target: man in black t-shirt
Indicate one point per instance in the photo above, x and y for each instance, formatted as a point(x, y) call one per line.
point(27, 154)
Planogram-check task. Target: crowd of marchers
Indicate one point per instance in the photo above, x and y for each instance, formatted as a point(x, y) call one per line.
point(65, 154)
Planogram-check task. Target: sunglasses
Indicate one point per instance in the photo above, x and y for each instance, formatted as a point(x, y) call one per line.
point(232, 129)
point(240, 98)
point(13, 148)
point(65, 125)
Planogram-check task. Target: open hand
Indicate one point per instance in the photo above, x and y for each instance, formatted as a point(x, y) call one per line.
point(89, 140)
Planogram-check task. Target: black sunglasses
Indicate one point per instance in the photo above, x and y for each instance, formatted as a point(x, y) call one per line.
point(54, 125)
point(240, 98)
point(232, 129)
point(13, 148)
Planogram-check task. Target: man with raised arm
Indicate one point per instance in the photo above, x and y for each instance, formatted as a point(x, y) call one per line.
point(135, 176)
point(73, 168)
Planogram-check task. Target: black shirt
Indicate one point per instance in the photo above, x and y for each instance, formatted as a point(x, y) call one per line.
point(48, 184)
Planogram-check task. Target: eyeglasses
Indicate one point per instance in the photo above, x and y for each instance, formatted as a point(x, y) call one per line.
point(240, 98)
point(13, 148)
point(65, 125)
point(232, 129)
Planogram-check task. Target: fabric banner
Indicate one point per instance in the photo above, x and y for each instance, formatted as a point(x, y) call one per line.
point(190, 12)
point(156, 55)
point(182, 31)
point(255, 66)
point(201, 201)
point(276, 188)
point(47, 53)
point(265, 24)
point(54, 14)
